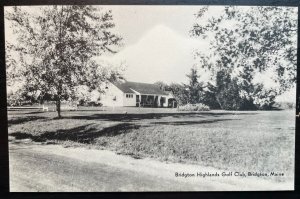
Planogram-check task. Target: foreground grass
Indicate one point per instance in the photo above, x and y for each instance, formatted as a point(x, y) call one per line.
point(237, 141)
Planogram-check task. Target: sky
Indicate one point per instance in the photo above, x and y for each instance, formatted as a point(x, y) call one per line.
point(157, 43)
point(135, 21)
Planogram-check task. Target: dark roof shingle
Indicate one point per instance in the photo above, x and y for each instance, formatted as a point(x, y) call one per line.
point(142, 88)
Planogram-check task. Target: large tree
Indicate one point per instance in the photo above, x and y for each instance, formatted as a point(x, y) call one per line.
point(245, 41)
point(179, 92)
point(194, 88)
point(57, 46)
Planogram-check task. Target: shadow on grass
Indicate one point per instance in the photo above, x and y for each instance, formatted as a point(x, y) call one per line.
point(136, 117)
point(83, 134)
point(175, 123)
point(21, 120)
point(87, 134)
point(34, 112)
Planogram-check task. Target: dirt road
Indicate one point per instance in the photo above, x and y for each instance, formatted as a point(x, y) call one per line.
point(36, 167)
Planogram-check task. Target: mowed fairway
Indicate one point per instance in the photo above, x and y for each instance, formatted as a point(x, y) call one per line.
point(256, 141)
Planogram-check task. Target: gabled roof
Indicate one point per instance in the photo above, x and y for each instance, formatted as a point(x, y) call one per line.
point(142, 88)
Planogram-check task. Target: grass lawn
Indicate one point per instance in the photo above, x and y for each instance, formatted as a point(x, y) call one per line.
point(261, 141)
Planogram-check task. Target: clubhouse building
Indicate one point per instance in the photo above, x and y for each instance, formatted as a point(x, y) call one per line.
point(136, 94)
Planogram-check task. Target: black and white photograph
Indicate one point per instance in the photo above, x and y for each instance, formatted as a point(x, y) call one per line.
point(135, 98)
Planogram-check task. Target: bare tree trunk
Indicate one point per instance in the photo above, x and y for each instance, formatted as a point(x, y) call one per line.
point(58, 108)
point(220, 104)
point(58, 100)
point(61, 56)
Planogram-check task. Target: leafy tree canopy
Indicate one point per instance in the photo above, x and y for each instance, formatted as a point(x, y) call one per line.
point(246, 40)
point(57, 47)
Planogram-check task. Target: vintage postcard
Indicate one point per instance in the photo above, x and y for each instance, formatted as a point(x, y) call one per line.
point(151, 98)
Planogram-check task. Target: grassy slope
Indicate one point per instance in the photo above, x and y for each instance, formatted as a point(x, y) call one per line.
point(243, 141)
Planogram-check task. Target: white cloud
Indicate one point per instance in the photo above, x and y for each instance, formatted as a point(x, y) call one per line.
point(160, 55)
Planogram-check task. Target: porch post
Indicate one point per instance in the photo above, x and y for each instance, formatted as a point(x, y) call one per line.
point(158, 101)
point(167, 101)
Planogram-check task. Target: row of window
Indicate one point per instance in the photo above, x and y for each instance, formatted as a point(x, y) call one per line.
point(129, 95)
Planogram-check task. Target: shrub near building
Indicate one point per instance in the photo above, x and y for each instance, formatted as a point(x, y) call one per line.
point(194, 107)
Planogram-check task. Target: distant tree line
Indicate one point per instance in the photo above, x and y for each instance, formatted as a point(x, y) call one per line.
point(224, 93)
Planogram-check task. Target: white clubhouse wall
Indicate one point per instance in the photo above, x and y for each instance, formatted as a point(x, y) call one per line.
point(129, 101)
point(112, 92)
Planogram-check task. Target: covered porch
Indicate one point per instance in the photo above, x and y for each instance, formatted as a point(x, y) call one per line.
point(150, 100)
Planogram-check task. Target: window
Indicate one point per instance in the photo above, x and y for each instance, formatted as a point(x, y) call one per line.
point(129, 95)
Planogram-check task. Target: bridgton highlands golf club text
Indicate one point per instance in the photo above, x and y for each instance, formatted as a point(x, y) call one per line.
point(229, 174)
